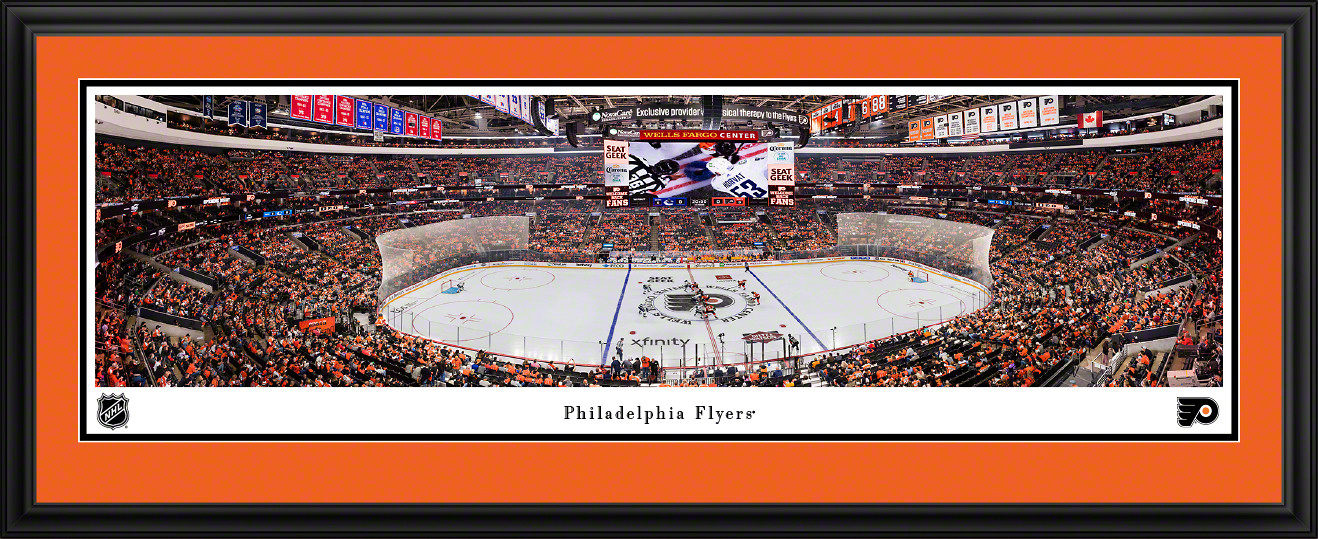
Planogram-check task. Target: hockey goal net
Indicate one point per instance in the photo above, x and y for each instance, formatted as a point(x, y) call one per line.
point(919, 276)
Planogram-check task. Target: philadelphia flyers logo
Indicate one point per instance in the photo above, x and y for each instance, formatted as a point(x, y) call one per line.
point(1191, 410)
point(686, 302)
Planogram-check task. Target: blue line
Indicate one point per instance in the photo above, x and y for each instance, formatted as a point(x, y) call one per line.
point(789, 311)
point(618, 309)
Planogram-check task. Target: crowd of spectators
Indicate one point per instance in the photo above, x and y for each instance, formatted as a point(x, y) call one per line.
point(1134, 242)
point(558, 232)
point(802, 231)
point(1052, 299)
point(626, 231)
point(178, 299)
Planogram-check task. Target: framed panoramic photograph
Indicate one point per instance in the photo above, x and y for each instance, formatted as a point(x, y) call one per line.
point(594, 271)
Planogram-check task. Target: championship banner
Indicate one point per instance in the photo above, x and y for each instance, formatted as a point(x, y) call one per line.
point(988, 120)
point(435, 129)
point(381, 117)
point(698, 135)
point(1049, 110)
point(927, 129)
point(913, 131)
point(208, 106)
point(1007, 116)
point(1029, 113)
point(954, 124)
point(396, 122)
point(256, 114)
point(299, 106)
point(425, 127)
point(501, 103)
point(940, 126)
point(346, 109)
point(365, 114)
point(238, 113)
point(323, 109)
point(411, 124)
point(971, 122)
point(323, 325)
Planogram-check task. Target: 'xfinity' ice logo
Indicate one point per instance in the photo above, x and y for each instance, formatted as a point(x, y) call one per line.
point(660, 342)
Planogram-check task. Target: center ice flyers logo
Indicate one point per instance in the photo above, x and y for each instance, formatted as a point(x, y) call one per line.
point(687, 302)
point(112, 411)
point(1191, 410)
point(680, 305)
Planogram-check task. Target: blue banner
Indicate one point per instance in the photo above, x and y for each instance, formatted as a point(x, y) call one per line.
point(208, 106)
point(396, 121)
point(381, 117)
point(238, 113)
point(365, 115)
point(257, 114)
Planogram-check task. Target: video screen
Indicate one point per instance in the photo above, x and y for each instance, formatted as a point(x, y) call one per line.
point(699, 170)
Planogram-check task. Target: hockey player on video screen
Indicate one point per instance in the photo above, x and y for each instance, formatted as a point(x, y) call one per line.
point(699, 170)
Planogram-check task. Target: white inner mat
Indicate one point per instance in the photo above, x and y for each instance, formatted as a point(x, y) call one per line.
point(579, 314)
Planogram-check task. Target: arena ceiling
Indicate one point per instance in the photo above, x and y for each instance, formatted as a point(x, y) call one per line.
point(465, 115)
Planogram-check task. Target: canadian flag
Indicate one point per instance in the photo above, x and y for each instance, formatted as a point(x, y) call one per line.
point(1091, 119)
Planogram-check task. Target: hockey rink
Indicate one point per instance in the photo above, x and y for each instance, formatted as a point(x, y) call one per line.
point(579, 314)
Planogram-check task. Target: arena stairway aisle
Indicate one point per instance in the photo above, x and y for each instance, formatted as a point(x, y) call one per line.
point(654, 231)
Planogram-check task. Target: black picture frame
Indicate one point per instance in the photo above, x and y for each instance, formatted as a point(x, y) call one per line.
point(23, 517)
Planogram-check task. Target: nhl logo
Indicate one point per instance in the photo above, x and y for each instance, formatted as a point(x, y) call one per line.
point(112, 411)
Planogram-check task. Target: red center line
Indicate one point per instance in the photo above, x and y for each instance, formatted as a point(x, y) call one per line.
point(718, 355)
